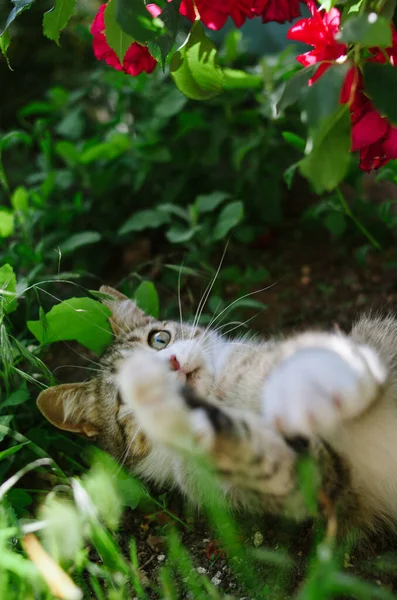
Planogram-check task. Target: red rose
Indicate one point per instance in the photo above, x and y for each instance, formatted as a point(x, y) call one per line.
point(277, 10)
point(214, 13)
point(319, 31)
point(137, 58)
point(372, 135)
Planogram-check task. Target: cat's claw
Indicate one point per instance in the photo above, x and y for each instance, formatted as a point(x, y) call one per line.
point(318, 389)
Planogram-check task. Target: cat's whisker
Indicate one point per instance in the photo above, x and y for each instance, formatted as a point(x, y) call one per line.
point(216, 317)
point(76, 367)
point(207, 335)
point(180, 301)
point(237, 325)
point(125, 454)
point(206, 294)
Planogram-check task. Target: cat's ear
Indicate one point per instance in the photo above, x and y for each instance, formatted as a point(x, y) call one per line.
point(63, 406)
point(125, 313)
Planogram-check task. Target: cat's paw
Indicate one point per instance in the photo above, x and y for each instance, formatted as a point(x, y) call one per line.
point(152, 393)
point(317, 388)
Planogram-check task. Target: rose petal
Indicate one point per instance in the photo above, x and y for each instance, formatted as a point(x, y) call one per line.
point(390, 143)
point(368, 130)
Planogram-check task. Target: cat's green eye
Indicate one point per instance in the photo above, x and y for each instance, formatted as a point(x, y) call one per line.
point(159, 339)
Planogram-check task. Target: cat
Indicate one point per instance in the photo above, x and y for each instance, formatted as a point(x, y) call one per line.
point(169, 393)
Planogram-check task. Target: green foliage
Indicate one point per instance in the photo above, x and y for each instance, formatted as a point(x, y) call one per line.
point(381, 83)
point(147, 298)
point(161, 46)
point(328, 161)
point(55, 20)
point(116, 37)
point(80, 319)
point(8, 288)
point(367, 30)
point(194, 68)
point(135, 20)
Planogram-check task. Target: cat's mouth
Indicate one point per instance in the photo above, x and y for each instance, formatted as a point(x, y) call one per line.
point(189, 378)
point(192, 376)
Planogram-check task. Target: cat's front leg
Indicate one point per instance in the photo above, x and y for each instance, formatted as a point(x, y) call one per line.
point(150, 390)
point(322, 381)
point(244, 452)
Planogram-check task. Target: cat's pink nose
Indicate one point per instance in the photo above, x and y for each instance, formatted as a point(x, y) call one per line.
point(174, 363)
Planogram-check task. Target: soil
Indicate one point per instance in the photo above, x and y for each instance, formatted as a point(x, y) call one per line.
point(320, 283)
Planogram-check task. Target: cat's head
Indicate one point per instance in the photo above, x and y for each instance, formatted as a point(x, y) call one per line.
point(94, 408)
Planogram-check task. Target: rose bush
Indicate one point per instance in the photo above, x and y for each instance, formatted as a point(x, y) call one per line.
point(344, 92)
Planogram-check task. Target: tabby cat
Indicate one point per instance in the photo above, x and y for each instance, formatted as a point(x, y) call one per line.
point(170, 392)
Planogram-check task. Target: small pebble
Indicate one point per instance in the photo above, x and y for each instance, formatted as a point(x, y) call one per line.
point(258, 539)
point(215, 580)
point(201, 570)
point(161, 557)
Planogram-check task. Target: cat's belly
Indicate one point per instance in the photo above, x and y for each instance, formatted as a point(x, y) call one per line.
point(370, 446)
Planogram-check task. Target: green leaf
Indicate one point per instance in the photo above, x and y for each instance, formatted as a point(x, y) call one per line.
point(162, 45)
point(322, 99)
point(116, 37)
point(5, 41)
point(84, 238)
point(388, 9)
point(170, 103)
point(19, 6)
point(17, 398)
point(12, 450)
point(209, 202)
point(135, 20)
point(367, 29)
point(8, 288)
point(147, 298)
point(183, 270)
point(249, 303)
point(294, 140)
point(328, 4)
point(234, 79)
point(110, 150)
point(294, 86)
point(328, 161)
point(8, 140)
point(289, 174)
point(72, 125)
point(57, 18)
point(180, 235)
point(80, 319)
point(6, 223)
point(230, 216)
point(381, 85)
point(335, 222)
point(67, 151)
point(19, 199)
point(144, 219)
point(194, 69)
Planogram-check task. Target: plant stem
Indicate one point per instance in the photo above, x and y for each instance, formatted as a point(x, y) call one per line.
point(360, 226)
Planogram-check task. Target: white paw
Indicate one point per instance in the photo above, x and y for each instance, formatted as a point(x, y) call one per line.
point(316, 389)
point(151, 392)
